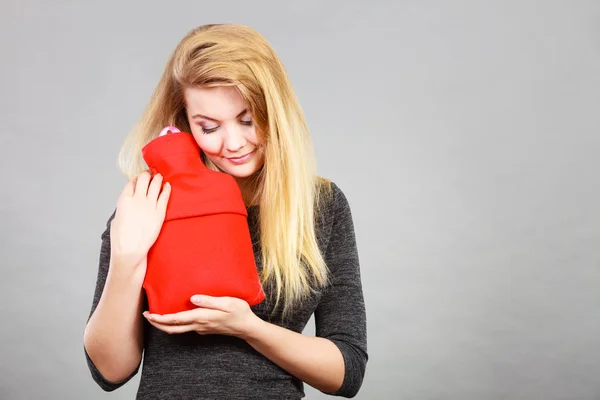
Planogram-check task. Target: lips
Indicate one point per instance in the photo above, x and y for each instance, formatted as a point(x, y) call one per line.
point(240, 157)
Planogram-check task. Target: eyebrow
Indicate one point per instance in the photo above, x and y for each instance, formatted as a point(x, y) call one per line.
point(244, 111)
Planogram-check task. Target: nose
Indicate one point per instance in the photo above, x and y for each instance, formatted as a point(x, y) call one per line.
point(234, 139)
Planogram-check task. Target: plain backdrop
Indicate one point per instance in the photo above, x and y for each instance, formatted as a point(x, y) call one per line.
point(465, 134)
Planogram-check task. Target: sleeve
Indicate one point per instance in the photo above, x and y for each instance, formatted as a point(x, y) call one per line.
point(103, 264)
point(340, 315)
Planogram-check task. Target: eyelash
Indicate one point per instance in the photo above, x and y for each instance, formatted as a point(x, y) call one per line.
point(207, 131)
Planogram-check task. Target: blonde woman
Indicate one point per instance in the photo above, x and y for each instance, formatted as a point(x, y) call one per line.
point(226, 86)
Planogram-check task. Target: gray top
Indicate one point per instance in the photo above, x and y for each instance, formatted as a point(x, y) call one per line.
point(193, 366)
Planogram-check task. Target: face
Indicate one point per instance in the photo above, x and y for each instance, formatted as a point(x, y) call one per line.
point(224, 130)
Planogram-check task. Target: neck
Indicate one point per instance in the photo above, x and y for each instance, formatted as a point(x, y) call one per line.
point(249, 188)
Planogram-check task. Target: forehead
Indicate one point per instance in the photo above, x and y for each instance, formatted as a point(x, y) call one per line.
point(220, 103)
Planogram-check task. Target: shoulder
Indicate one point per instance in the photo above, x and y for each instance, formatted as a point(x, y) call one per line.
point(331, 199)
point(332, 212)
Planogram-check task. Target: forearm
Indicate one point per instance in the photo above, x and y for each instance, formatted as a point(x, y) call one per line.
point(314, 360)
point(113, 337)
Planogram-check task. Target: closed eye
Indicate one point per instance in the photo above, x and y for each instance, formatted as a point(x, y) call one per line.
point(209, 130)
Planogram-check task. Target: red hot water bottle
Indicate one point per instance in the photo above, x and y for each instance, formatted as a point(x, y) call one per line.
point(204, 246)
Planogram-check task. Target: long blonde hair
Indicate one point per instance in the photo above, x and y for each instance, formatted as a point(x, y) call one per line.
point(287, 188)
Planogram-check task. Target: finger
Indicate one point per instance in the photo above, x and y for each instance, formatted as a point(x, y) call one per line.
point(163, 198)
point(182, 318)
point(154, 189)
point(141, 187)
point(174, 329)
point(129, 188)
point(213, 303)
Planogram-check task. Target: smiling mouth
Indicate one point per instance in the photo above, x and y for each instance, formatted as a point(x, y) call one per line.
point(241, 157)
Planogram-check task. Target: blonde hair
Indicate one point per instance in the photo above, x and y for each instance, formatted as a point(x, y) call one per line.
point(287, 188)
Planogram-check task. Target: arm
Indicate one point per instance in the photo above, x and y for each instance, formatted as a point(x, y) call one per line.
point(334, 361)
point(341, 314)
point(113, 337)
point(314, 360)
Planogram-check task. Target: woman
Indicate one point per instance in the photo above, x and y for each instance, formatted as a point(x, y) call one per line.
point(226, 86)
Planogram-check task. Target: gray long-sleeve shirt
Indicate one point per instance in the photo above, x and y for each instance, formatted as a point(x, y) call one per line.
point(193, 366)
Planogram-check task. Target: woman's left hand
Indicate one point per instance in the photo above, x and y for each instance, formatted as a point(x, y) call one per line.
point(214, 315)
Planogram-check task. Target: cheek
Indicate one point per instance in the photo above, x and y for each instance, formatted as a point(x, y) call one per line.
point(210, 144)
point(252, 137)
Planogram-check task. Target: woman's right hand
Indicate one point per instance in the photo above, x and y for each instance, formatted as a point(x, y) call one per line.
point(141, 210)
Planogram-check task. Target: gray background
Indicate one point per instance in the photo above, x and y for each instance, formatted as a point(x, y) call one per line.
point(464, 133)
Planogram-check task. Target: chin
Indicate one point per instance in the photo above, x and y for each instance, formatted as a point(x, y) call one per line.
point(241, 171)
